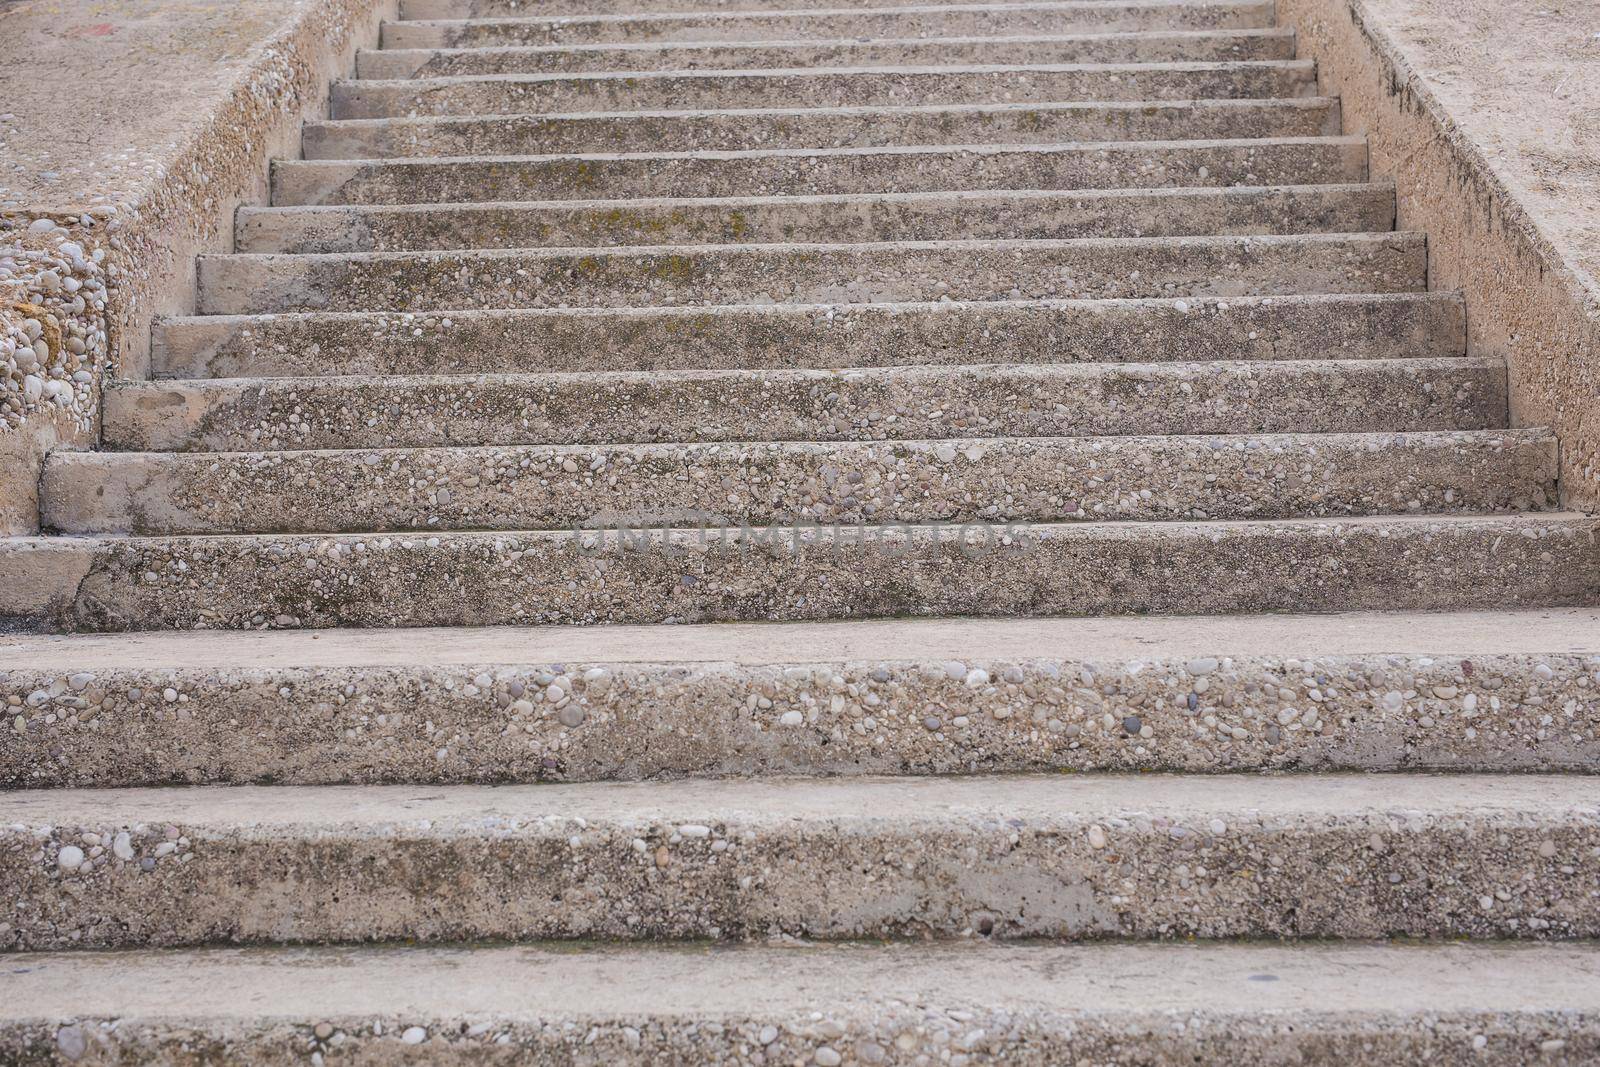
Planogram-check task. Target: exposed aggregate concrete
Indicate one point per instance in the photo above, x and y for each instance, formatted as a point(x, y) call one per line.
point(1079, 856)
point(993, 479)
point(979, 1002)
point(1402, 325)
point(102, 205)
point(776, 172)
point(513, 94)
point(894, 403)
point(824, 127)
point(597, 721)
point(629, 574)
point(1147, 47)
point(1020, 214)
point(654, 275)
point(873, 20)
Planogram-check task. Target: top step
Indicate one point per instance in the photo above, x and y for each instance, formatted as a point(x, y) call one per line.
point(1110, 13)
point(878, 19)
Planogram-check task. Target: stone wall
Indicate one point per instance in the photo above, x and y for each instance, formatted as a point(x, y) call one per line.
point(108, 191)
point(1484, 114)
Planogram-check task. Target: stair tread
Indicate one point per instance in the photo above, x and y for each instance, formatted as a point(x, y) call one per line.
point(885, 110)
point(742, 128)
point(1173, 46)
point(689, 1002)
point(1508, 632)
point(863, 803)
point(1252, 14)
point(741, 153)
point(1039, 479)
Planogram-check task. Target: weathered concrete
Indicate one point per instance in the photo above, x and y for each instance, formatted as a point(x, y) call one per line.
point(620, 573)
point(513, 94)
point(899, 403)
point(1033, 1005)
point(1014, 215)
point(875, 20)
point(794, 273)
point(770, 172)
point(998, 479)
point(1081, 856)
point(688, 130)
point(1492, 692)
point(103, 206)
point(1108, 15)
point(1183, 46)
point(1480, 111)
point(1401, 325)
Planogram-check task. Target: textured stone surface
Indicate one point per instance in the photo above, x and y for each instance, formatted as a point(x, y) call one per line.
point(956, 480)
point(1012, 856)
point(1401, 325)
point(816, 273)
point(765, 172)
point(103, 205)
point(1252, 1005)
point(821, 87)
point(1151, 46)
point(441, 28)
point(1482, 114)
point(634, 574)
point(893, 403)
point(1033, 214)
point(1497, 692)
point(686, 130)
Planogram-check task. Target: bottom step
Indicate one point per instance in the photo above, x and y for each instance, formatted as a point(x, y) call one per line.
point(1034, 1004)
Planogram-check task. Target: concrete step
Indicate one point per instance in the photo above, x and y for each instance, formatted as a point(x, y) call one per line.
point(1011, 856)
point(622, 573)
point(852, 127)
point(1491, 691)
point(1006, 215)
point(959, 480)
point(768, 172)
point(819, 87)
point(795, 273)
point(1182, 46)
point(1497, 1005)
point(893, 403)
point(1404, 325)
point(871, 19)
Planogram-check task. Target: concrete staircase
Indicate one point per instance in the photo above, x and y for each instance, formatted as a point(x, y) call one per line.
point(1007, 388)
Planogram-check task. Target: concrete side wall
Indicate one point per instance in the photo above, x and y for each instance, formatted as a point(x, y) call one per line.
point(1477, 109)
point(108, 193)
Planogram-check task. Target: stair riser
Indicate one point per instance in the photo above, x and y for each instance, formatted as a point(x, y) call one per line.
point(814, 274)
point(868, 170)
point(822, 128)
point(561, 578)
point(737, 874)
point(836, 20)
point(823, 88)
point(998, 216)
point(298, 726)
point(648, 1038)
point(238, 726)
point(900, 404)
point(1291, 328)
point(1165, 478)
point(1183, 47)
